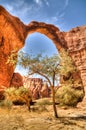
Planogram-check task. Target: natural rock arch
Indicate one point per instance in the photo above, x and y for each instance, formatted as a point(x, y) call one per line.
point(12, 37)
point(13, 34)
point(49, 30)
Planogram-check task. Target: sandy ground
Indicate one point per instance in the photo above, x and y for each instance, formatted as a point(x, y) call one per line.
point(19, 118)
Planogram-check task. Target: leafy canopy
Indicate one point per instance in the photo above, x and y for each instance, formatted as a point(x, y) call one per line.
point(66, 63)
point(47, 67)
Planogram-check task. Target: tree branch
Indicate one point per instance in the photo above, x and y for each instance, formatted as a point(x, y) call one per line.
point(44, 77)
point(37, 72)
point(31, 73)
point(53, 78)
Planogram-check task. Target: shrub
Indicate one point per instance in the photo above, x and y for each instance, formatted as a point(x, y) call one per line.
point(6, 103)
point(66, 95)
point(41, 104)
point(18, 96)
point(44, 102)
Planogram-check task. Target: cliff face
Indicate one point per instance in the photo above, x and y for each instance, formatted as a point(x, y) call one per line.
point(11, 38)
point(37, 88)
point(13, 34)
point(16, 81)
point(76, 42)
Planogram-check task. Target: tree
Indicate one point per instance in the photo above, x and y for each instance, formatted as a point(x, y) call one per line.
point(67, 68)
point(48, 67)
point(66, 64)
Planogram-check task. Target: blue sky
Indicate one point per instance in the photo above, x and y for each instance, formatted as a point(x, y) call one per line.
point(65, 14)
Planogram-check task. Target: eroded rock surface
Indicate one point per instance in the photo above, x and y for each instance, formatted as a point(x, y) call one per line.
point(12, 37)
point(37, 88)
point(17, 80)
point(76, 42)
point(13, 34)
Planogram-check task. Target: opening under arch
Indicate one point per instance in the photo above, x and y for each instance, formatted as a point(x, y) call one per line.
point(37, 43)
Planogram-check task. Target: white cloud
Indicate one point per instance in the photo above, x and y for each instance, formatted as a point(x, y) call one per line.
point(55, 21)
point(32, 11)
point(61, 15)
point(52, 20)
point(47, 3)
point(21, 10)
point(66, 3)
point(9, 8)
point(38, 2)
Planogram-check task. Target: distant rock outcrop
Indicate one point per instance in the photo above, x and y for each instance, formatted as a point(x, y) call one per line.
point(17, 80)
point(45, 91)
point(12, 38)
point(37, 88)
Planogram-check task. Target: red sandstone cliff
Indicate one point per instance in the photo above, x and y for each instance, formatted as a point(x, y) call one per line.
point(17, 80)
point(76, 42)
point(37, 87)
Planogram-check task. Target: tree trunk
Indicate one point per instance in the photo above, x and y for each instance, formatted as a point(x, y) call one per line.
point(54, 105)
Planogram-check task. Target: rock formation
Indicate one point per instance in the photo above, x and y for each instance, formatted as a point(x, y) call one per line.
point(76, 42)
point(45, 91)
point(11, 38)
point(37, 88)
point(13, 34)
point(17, 80)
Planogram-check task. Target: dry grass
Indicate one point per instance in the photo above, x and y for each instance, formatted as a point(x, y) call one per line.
point(19, 118)
point(18, 96)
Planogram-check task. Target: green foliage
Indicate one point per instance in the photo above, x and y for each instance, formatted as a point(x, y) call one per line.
point(66, 95)
point(66, 63)
point(44, 102)
point(41, 105)
point(15, 91)
point(44, 66)
point(10, 91)
point(6, 103)
point(48, 67)
point(20, 95)
point(12, 59)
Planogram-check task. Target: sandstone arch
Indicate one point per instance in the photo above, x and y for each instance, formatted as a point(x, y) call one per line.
point(51, 31)
point(13, 34)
